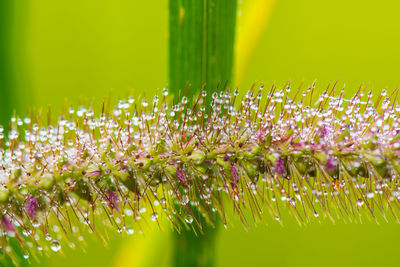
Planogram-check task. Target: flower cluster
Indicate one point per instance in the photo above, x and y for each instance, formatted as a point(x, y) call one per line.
point(268, 150)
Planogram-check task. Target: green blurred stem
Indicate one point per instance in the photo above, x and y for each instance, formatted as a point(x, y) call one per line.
point(201, 44)
point(8, 93)
point(192, 250)
point(6, 62)
point(202, 34)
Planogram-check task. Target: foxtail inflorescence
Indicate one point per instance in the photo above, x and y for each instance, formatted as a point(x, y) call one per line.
point(327, 157)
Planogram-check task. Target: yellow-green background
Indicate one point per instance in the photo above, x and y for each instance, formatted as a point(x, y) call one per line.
point(82, 50)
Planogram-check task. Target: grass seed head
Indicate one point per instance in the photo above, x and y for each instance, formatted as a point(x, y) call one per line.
point(269, 150)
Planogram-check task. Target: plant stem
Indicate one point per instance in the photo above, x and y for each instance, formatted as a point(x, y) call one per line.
point(6, 66)
point(200, 54)
point(192, 250)
point(201, 44)
point(8, 95)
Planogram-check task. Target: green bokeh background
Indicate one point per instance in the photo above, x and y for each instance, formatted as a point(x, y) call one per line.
point(87, 50)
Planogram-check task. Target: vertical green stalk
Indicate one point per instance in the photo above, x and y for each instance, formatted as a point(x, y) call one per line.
point(6, 67)
point(195, 250)
point(8, 91)
point(202, 34)
point(201, 44)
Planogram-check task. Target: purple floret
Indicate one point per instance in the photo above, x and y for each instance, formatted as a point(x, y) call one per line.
point(181, 176)
point(32, 207)
point(234, 174)
point(331, 164)
point(113, 199)
point(7, 224)
point(280, 167)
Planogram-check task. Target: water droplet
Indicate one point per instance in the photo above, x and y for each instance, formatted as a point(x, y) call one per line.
point(292, 201)
point(360, 202)
point(316, 215)
point(163, 201)
point(128, 212)
point(184, 100)
point(48, 237)
point(55, 245)
point(26, 256)
point(155, 100)
point(165, 91)
point(188, 218)
point(123, 104)
point(142, 210)
point(184, 200)
point(154, 216)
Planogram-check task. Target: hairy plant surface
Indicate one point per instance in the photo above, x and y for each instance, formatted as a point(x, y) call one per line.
point(323, 156)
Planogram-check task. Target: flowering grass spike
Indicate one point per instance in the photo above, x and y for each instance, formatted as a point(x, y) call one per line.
point(326, 157)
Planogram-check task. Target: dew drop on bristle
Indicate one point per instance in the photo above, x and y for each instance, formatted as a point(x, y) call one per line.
point(55, 245)
point(185, 200)
point(165, 91)
point(128, 212)
point(144, 103)
point(184, 100)
point(142, 210)
point(129, 230)
point(163, 201)
point(123, 104)
point(188, 218)
point(154, 216)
